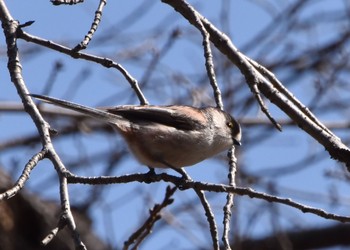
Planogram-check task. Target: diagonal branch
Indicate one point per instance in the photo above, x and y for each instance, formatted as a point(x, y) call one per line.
point(267, 86)
point(137, 237)
point(209, 64)
point(24, 176)
point(210, 218)
point(98, 16)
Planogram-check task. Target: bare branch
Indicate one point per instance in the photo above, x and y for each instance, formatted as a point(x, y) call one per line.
point(210, 218)
point(98, 15)
point(219, 188)
point(138, 236)
point(209, 64)
point(24, 176)
point(279, 86)
point(229, 199)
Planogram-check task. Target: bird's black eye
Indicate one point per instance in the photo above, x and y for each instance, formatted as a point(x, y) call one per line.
point(230, 124)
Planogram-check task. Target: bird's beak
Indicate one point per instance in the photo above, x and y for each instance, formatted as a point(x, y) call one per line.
point(236, 142)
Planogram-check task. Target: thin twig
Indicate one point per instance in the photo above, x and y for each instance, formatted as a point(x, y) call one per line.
point(254, 88)
point(210, 218)
point(229, 199)
point(66, 218)
point(137, 237)
point(24, 176)
point(209, 64)
point(67, 215)
point(98, 16)
point(279, 86)
point(54, 232)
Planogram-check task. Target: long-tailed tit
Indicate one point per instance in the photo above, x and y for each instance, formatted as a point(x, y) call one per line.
point(166, 136)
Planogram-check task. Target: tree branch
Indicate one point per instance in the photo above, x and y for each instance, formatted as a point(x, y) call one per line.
point(219, 188)
point(301, 116)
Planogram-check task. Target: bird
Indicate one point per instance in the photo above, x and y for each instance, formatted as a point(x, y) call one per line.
point(173, 136)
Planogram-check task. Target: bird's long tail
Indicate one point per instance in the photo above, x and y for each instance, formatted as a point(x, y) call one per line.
point(92, 112)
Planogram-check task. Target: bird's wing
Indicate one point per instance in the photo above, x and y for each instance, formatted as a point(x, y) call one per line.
point(180, 117)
